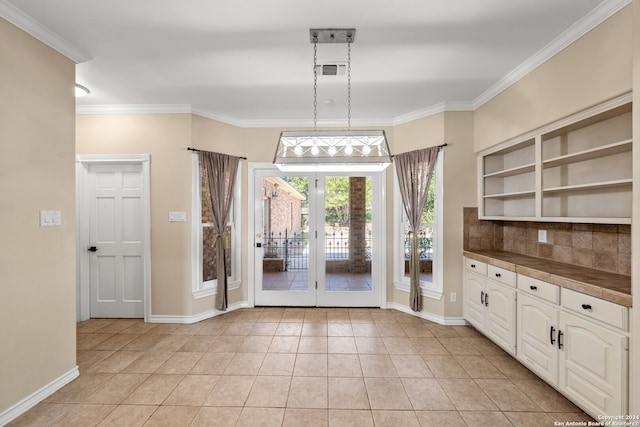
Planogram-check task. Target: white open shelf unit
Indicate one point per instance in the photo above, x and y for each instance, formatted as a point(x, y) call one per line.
point(578, 169)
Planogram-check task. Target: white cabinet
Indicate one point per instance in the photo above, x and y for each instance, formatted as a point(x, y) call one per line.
point(575, 169)
point(489, 305)
point(563, 339)
point(537, 334)
point(593, 365)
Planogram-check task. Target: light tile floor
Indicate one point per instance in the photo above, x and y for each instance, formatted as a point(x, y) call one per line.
point(297, 367)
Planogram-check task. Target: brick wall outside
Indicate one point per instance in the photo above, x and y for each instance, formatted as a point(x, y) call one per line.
point(286, 215)
point(358, 225)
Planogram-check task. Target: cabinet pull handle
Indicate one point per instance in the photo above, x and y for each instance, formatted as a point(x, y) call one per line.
point(482, 297)
point(486, 299)
point(473, 266)
point(560, 344)
point(586, 306)
point(498, 275)
point(551, 338)
point(533, 288)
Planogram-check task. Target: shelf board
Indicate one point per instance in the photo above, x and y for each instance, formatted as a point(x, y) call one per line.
point(593, 153)
point(594, 220)
point(515, 194)
point(591, 186)
point(512, 171)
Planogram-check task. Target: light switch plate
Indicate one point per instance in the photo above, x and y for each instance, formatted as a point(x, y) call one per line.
point(49, 218)
point(177, 217)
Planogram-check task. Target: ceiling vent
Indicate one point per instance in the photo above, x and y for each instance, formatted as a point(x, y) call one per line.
point(334, 69)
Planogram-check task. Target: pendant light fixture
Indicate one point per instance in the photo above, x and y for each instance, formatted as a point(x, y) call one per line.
point(332, 150)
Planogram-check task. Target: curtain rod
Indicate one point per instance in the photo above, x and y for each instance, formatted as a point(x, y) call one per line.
point(195, 149)
point(441, 146)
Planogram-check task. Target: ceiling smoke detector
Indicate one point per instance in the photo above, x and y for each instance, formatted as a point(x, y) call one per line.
point(333, 69)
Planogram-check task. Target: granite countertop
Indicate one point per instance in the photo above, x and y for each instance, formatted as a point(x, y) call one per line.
point(608, 286)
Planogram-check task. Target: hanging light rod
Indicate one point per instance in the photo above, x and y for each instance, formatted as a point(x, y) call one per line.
point(195, 149)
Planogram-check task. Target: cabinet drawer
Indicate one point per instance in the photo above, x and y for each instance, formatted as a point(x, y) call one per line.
point(541, 289)
point(477, 266)
point(501, 275)
point(596, 308)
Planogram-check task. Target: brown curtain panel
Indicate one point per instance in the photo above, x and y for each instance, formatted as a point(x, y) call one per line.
point(221, 176)
point(414, 170)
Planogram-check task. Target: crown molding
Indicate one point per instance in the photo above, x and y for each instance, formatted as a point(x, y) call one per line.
point(32, 27)
point(134, 109)
point(594, 18)
point(434, 109)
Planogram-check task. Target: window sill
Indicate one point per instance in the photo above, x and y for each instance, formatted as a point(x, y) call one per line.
point(213, 290)
point(427, 289)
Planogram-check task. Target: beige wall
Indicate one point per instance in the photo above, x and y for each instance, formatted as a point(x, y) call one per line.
point(166, 138)
point(37, 264)
point(593, 69)
point(455, 129)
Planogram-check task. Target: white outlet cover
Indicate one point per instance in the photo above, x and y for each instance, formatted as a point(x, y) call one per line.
point(542, 236)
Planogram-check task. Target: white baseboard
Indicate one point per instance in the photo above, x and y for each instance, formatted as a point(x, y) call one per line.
point(448, 321)
point(29, 402)
point(196, 317)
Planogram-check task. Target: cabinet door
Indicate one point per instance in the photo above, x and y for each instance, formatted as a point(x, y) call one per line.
point(473, 307)
point(593, 366)
point(537, 332)
point(500, 306)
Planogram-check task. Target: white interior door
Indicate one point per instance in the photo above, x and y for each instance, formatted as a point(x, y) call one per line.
point(116, 232)
point(310, 261)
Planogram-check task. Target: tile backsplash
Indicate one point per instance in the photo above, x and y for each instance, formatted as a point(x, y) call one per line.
point(605, 247)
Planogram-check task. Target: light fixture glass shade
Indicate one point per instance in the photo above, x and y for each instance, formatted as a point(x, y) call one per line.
point(332, 151)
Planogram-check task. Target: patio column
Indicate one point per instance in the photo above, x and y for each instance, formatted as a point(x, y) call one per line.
point(357, 225)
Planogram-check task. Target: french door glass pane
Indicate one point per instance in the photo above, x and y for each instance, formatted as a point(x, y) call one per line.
point(285, 264)
point(347, 233)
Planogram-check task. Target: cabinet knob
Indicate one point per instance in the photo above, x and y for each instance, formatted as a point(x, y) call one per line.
point(498, 275)
point(586, 306)
point(533, 288)
point(473, 266)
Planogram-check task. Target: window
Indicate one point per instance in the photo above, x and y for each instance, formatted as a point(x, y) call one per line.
point(204, 260)
point(430, 230)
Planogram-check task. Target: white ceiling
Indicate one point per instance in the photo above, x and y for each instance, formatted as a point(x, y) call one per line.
point(249, 62)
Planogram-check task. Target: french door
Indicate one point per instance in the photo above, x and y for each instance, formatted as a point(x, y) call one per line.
point(317, 238)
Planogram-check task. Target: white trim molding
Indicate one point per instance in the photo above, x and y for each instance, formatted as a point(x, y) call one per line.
point(195, 318)
point(82, 273)
point(32, 400)
point(134, 109)
point(35, 29)
point(447, 321)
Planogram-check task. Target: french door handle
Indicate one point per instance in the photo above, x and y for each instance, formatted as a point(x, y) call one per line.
point(551, 338)
point(92, 249)
point(560, 344)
